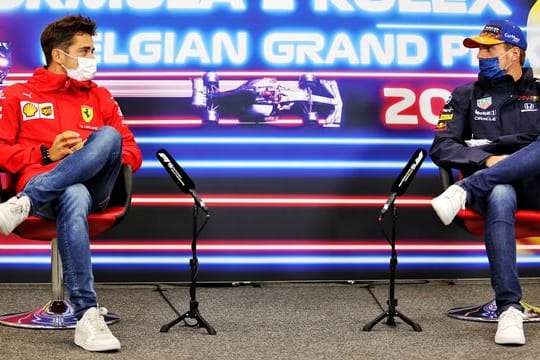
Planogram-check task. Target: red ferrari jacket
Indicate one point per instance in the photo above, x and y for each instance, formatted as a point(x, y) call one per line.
point(33, 113)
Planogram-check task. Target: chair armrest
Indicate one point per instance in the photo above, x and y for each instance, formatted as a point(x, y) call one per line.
point(4, 193)
point(446, 176)
point(122, 192)
point(127, 174)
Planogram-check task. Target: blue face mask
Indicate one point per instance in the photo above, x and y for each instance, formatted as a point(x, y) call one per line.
point(491, 68)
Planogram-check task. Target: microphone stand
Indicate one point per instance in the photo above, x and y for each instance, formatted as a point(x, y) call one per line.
point(193, 312)
point(392, 301)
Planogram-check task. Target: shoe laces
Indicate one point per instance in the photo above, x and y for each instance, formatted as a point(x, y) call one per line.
point(18, 206)
point(511, 317)
point(97, 321)
point(456, 196)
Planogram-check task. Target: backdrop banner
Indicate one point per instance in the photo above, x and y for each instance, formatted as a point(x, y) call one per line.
point(293, 118)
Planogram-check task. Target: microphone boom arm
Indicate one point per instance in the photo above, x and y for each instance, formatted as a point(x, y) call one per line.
point(198, 201)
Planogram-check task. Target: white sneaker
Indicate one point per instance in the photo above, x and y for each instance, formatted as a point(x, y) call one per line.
point(13, 212)
point(510, 328)
point(448, 204)
point(92, 333)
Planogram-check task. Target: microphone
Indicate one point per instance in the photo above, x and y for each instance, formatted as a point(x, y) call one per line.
point(180, 177)
point(404, 179)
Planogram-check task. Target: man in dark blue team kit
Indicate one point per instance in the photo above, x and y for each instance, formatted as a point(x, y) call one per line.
point(489, 130)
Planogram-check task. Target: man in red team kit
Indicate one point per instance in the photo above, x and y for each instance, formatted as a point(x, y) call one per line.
point(63, 139)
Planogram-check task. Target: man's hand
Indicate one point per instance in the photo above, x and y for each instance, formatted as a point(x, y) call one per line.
point(65, 144)
point(492, 160)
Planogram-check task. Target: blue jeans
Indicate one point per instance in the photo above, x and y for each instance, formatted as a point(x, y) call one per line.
point(497, 193)
point(81, 183)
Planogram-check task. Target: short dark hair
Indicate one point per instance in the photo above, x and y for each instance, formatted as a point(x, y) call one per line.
point(59, 34)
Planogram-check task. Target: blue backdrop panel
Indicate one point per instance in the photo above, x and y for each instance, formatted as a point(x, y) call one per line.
point(292, 197)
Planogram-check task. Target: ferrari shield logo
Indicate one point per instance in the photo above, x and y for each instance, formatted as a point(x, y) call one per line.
point(484, 103)
point(87, 113)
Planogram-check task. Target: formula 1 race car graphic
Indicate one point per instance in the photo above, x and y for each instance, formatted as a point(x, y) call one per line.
point(266, 100)
point(5, 60)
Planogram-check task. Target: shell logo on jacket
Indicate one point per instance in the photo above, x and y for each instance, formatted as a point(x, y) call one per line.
point(33, 111)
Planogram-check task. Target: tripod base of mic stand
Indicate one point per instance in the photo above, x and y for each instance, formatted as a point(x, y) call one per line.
point(193, 314)
point(390, 321)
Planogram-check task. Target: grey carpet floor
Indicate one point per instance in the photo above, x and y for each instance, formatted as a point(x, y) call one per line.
point(278, 321)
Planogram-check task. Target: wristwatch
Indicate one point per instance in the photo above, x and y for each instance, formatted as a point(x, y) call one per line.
point(45, 159)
